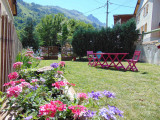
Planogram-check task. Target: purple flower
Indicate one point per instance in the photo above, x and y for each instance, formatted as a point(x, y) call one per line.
point(109, 94)
point(54, 65)
point(28, 118)
point(42, 79)
point(89, 114)
point(115, 110)
point(34, 87)
point(107, 114)
point(95, 95)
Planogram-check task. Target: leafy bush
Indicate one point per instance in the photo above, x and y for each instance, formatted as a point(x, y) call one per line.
point(120, 38)
point(28, 58)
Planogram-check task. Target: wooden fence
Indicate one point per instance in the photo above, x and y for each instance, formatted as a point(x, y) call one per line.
point(9, 47)
point(49, 52)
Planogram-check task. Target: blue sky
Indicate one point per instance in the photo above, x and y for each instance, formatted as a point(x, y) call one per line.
point(88, 7)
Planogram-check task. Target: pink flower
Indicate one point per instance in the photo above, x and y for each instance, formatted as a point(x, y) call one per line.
point(34, 80)
point(29, 62)
point(30, 52)
point(77, 110)
point(59, 72)
point(17, 65)
point(12, 83)
point(28, 49)
point(38, 58)
point(47, 110)
point(70, 84)
point(13, 75)
point(59, 84)
point(82, 96)
point(62, 63)
point(28, 55)
point(59, 105)
point(19, 81)
point(14, 91)
point(25, 84)
point(22, 80)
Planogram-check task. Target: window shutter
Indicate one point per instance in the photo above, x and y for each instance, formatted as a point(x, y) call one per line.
point(145, 28)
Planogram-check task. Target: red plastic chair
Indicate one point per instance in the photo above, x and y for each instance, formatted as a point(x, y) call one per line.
point(132, 62)
point(91, 58)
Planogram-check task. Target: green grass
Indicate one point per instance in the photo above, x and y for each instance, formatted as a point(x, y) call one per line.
point(137, 93)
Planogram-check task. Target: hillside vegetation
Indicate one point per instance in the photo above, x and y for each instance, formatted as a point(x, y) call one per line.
point(36, 12)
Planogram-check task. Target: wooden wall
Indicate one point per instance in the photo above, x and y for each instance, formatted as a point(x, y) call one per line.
point(9, 47)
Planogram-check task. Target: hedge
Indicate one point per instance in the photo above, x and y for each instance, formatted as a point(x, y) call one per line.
point(120, 38)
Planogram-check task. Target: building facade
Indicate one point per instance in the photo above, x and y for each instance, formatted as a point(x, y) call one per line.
point(120, 19)
point(148, 19)
point(9, 42)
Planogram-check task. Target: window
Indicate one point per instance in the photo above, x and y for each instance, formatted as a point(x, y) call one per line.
point(145, 28)
point(144, 11)
point(141, 29)
point(147, 8)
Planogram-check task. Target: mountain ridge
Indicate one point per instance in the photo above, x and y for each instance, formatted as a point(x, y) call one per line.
point(38, 11)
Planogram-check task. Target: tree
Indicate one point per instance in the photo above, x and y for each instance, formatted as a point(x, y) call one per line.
point(46, 31)
point(58, 22)
point(64, 34)
point(29, 38)
point(49, 27)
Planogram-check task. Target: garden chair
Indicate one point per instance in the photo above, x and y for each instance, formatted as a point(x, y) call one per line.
point(132, 62)
point(99, 58)
point(91, 58)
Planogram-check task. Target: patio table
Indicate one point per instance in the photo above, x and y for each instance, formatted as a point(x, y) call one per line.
point(112, 57)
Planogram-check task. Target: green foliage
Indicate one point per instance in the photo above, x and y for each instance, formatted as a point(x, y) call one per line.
point(49, 77)
point(36, 92)
point(37, 12)
point(29, 60)
point(64, 34)
point(82, 41)
point(53, 30)
point(28, 36)
point(58, 29)
point(30, 100)
point(2, 98)
point(46, 31)
point(120, 38)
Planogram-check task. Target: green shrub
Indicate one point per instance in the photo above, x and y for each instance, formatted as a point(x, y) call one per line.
point(120, 38)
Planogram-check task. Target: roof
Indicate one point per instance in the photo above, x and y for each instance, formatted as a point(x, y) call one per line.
point(13, 6)
point(137, 6)
point(121, 15)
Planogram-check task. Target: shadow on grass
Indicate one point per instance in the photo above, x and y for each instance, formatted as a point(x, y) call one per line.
point(82, 60)
point(144, 73)
point(114, 69)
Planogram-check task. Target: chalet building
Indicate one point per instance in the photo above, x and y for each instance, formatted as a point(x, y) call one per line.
point(9, 43)
point(148, 19)
point(120, 19)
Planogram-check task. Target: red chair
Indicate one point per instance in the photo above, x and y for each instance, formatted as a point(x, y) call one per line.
point(91, 58)
point(132, 62)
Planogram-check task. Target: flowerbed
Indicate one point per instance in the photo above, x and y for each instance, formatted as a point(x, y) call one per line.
point(45, 96)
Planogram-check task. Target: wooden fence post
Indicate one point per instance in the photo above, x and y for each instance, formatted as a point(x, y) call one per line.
point(2, 55)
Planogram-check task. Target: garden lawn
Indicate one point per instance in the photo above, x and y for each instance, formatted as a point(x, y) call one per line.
point(137, 93)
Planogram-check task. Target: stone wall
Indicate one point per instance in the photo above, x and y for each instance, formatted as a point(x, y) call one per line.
point(149, 52)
